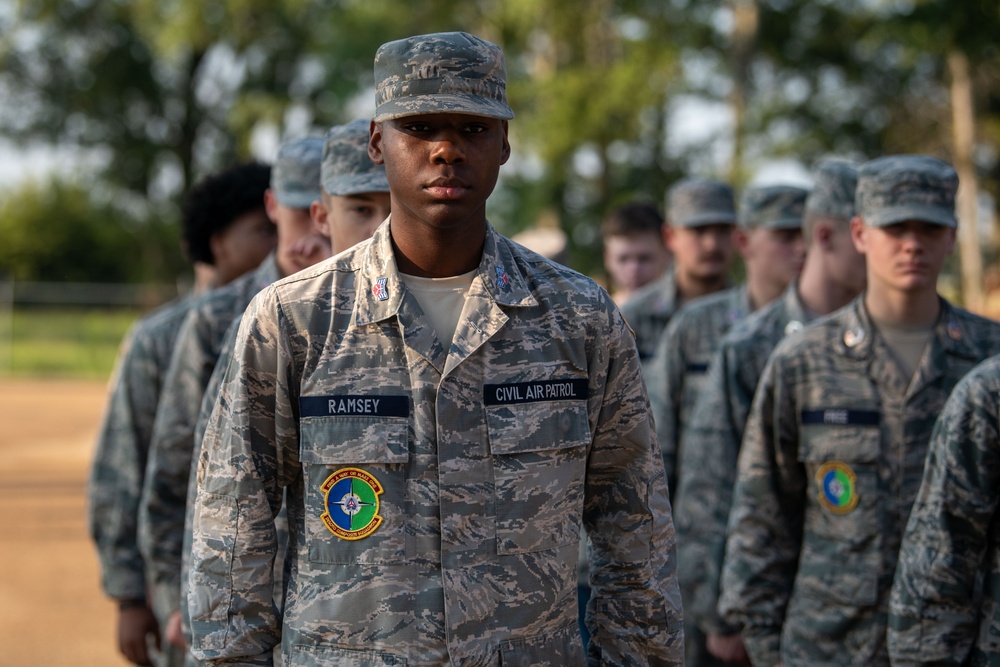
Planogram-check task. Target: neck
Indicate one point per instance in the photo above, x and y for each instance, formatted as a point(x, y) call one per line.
point(905, 308)
point(820, 294)
point(762, 292)
point(427, 251)
point(691, 287)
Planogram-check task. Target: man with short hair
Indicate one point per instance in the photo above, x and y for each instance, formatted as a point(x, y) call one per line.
point(294, 185)
point(223, 211)
point(832, 276)
point(633, 248)
point(835, 443)
point(701, 216)
point(443, 411)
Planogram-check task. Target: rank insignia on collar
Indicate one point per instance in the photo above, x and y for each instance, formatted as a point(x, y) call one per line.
point(503, 280)
point(379, 289)
point(351, 502)
point(837, 490)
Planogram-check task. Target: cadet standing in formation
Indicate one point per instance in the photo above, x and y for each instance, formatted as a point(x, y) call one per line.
point(220, 214)
point(439, 454)
point(294, 186)
point(769, 240)
point(945, 602)
point(832, 276)
point(835, 444)
point(700, 241)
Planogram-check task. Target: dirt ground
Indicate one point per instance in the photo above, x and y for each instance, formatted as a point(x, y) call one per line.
point(52, 610)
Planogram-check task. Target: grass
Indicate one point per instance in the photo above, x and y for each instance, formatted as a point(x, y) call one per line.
point(65, 343)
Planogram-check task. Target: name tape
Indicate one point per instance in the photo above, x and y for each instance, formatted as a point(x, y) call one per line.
point(533, 392)
point(374, 406)
point(840, 417)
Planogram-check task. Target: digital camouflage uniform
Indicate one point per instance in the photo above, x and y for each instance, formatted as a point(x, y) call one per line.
point(945, 603)
point(199, 342)
point(479, 466)
point(691, 202)
point(118, 471)
point(833, 455)
point(710, 445)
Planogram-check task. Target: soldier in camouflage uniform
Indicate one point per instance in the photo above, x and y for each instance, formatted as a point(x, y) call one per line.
point(223, 210)
point(294, 186)
point(833, 275)
point(944, 608)
point(698, 232)
point(438, 460)
point(354, 200)
point(770, 241)
point(835, 444)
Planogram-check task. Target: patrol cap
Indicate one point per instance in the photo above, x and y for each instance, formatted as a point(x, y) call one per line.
point(832, 194)
point(295, 174)
point(445, 72)
point(897, 188)
point(695, 202)
point(773, 207)
point(347, 169)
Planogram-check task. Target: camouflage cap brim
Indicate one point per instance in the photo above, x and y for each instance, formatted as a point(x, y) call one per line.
point(705, 218)
point(296, 198)
point(782, 223)
point(464, 103)
point(356, 184)
point(891, 215)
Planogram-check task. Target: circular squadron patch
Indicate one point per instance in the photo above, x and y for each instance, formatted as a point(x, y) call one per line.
point(351, 504)
point(837, 490)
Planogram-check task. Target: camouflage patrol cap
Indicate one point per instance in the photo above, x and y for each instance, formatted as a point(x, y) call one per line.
point(773, 207)
point(347, 169)
point(445, 72)
point(695, 202)
point(295, 174)
point(897, 188)
point(832, 194)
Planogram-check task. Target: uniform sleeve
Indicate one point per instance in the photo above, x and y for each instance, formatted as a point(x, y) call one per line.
point(634, 614)
point(161, 521)
point(664, 378)
point(710, 447)
point(233, 617)
point(118, 468)
point(765, 524)
point(934, 605)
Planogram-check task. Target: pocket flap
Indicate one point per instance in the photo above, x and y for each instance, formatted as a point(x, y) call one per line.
point(535, 427)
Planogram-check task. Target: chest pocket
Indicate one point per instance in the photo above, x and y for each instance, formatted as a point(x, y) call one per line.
point(354, 470)
point(843, 517)
point(539, 454)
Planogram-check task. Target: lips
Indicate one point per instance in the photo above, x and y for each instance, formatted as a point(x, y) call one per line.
point(447, 188)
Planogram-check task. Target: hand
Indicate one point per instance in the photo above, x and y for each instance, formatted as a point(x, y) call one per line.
point(173, 631)
point(309, 250)
point(728, 648)
point(135, 624)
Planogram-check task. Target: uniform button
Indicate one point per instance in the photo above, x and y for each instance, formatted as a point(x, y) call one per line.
point(954, 330)
point(794, 326)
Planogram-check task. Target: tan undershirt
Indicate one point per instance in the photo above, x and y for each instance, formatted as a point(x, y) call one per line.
point(906, 342)
point(442, 300)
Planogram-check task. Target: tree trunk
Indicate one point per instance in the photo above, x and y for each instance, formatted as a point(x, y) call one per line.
point(744, 37)
point(963, 136)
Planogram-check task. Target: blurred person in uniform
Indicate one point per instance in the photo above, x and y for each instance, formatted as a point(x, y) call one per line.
point(224, 226)
point(634, 249)
point(444, 411)
point(701, 216)
point(709, 442)
point(354, 200)
point(944, 607)
point(837, 436)
point(769, 240)
point(294, 186)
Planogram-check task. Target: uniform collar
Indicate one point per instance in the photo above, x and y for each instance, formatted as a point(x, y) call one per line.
point(380, 288)
point(856, 333)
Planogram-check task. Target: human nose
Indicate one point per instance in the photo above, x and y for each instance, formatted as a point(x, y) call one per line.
point(448, 148)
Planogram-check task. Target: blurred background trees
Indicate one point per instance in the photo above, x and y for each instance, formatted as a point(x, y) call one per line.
point(615, 99)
